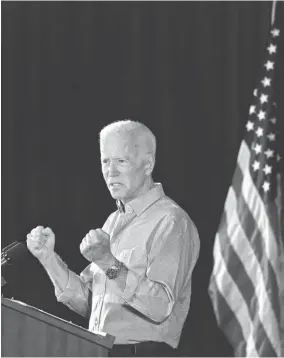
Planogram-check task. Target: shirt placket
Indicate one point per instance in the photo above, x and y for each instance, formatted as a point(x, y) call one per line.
point(121, 223)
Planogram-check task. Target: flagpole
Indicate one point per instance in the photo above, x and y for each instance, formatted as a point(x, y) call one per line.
point(273, 11)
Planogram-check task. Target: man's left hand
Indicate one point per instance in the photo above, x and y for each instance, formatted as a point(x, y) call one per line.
point(95, 247)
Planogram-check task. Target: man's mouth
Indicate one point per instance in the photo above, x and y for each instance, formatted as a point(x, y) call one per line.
point(114, 185)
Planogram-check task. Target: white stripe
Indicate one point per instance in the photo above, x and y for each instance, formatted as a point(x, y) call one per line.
point(253, 269)
point(232, 295)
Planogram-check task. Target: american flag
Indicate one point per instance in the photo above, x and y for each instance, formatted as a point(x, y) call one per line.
point(246, 285)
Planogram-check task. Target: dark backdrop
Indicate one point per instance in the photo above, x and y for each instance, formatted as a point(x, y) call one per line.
point(185, 69)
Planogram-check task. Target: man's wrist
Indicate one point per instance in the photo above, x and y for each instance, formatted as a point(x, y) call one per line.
point(106, 262)
point(51, 259)
point(45, 261)
point(111, 266)
point(114, 270)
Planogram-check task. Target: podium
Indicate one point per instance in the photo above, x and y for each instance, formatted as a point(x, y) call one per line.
point(31, 332)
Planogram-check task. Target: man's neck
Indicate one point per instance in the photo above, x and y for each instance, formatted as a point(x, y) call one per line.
point(148, 186)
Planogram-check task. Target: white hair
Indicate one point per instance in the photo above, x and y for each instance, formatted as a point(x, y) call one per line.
point(132, 129)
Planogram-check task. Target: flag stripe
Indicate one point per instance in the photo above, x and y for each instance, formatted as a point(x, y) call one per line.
point(243, 265)
point(257, 241)
point(241, 269)
point(228, 290)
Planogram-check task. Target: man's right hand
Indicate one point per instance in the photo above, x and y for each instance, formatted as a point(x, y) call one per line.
point(40, 242)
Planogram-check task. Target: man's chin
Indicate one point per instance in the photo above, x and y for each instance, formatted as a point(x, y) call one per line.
point(116, 196)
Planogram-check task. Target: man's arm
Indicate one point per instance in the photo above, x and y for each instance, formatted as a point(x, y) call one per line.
point(57, 271)
point(69, 287)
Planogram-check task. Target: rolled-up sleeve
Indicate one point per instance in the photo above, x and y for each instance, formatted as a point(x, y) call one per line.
point(170, 262)
point(77, 294)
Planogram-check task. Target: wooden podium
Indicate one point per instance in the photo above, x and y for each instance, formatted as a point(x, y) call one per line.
point(29, 332)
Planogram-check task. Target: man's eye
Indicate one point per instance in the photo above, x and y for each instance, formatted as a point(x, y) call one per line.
point(121, 161)
point(104, 161)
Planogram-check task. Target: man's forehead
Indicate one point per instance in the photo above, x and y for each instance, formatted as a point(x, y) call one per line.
point(116, 142)
point(125, 141)
point(118, 136)
point(117, 148)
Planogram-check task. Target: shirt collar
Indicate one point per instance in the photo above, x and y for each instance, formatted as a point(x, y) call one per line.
point(141, 203)
point(120, 206)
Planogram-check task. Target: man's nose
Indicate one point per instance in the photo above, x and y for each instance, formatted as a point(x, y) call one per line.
point(113, 171)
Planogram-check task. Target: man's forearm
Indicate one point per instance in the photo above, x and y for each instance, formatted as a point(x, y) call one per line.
point(69, 288)
point(152, 299)
point(57, 270)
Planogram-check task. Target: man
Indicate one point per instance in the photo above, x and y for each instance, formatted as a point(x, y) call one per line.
point(137, 286)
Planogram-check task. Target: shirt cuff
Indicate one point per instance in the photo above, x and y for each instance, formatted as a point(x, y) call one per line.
point(66, 295)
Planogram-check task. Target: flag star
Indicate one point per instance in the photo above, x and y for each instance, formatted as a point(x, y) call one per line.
point(266, 81)
point(256, 165)
point(257, 148)
point(271, 137)
point(266, 186)
point(272, 49)
point(259, 132)
point(251, 109)
point(275, 32)
point(267, 169)
point(255, 92)
point(263, 98)
point(273, 120)
point(261, 115)
point(269, 153)
point(278, 158)
point(249, 126)
point(269, 65)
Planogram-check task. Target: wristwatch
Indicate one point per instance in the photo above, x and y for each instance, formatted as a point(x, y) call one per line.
point(113, 271)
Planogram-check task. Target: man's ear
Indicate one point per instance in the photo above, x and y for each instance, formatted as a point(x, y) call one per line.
point(149, 164)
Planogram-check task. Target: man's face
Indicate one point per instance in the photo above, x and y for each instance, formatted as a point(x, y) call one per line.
point(123, 167)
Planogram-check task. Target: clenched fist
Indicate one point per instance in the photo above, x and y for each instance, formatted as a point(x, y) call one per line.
point(40, 242)
point(95, 247)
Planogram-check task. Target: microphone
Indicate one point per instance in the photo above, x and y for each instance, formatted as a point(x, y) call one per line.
point(17, 250)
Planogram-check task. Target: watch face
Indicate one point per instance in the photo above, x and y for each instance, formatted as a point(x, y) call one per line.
point(112, 272)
